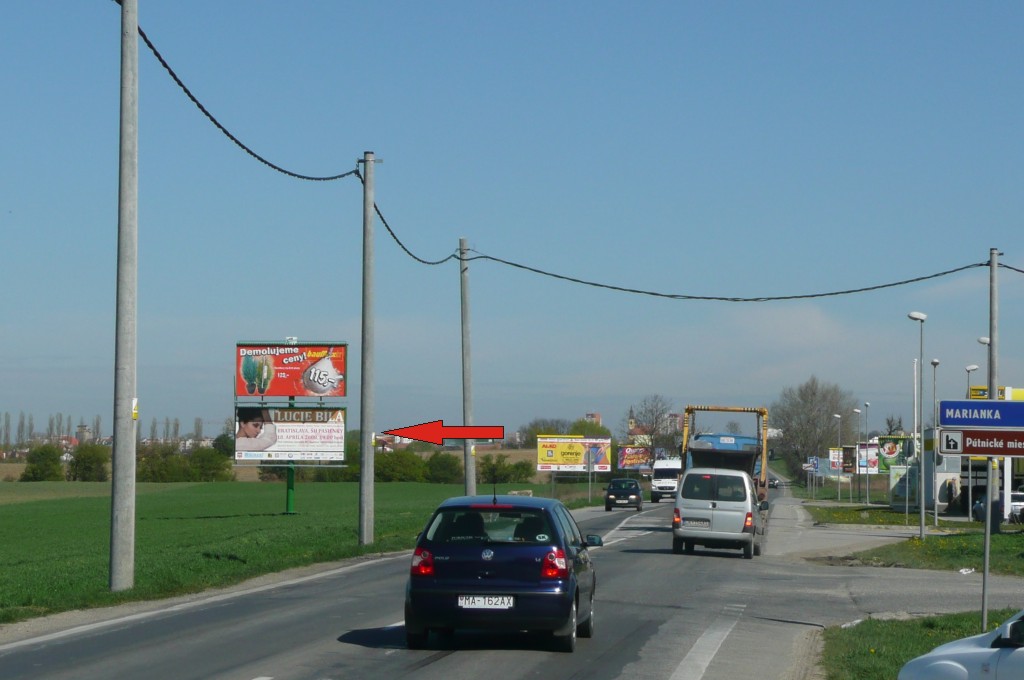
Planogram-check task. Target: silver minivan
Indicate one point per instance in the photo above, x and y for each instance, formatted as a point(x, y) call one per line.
point(718, 508)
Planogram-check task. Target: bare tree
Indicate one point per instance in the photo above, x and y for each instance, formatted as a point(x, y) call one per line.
point(96, 428)
point(177, 429)
point(7, 431)
point(167, 429)
point(50, 428)
point(733, 427)
point(197, 430)
point(805, 414)
point(894, 425)
point(21, 428)
point(31, 427)
point(152, 430)
point(651, 417)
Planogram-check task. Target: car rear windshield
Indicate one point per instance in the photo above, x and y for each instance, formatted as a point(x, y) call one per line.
point(709, 487)
point(473, 526)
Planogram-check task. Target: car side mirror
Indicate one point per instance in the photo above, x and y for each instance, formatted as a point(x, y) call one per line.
point(1015, 633)
point(594, 541)
point(763, 505)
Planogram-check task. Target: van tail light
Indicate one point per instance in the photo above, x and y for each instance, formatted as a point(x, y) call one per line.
point(555, 565)
point(748, 523)
point(422, 563)
point(676, 519)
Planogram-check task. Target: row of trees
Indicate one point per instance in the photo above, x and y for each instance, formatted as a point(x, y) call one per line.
point(166, 462)
point(22, 433)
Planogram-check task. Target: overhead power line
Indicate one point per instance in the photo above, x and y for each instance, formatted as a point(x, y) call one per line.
point(517, 265)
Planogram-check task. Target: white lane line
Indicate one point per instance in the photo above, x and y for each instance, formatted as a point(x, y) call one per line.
point(703, 652)
point(618, 527)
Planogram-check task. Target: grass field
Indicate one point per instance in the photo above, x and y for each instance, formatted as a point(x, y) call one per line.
point(190, 537)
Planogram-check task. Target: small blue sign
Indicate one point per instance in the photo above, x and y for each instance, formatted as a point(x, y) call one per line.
point(981, 413)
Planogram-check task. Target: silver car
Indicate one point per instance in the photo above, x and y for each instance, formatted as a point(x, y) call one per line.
point(718, 508)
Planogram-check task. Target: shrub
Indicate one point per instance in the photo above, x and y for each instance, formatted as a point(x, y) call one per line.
point(400, 466)
point(89, 464)
point(43, 465)
point(444, 468)
point(210, 465)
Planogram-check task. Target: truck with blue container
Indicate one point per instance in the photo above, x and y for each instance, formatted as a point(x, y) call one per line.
point(730, 451)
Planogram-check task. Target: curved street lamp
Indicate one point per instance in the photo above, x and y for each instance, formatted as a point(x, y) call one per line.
point(970, 369)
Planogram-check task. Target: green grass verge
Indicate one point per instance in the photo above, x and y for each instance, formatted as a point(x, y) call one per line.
point(877, 649)
point(191, 537)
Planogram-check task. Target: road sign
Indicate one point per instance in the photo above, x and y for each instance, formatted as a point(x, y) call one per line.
point(981, 413)
point(982, 442)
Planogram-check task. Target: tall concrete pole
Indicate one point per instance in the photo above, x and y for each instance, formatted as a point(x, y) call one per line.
point(993, 393)
point(366, 475)
point(467, 377)
point(122, 507)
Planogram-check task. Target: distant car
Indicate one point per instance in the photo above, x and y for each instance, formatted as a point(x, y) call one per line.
point(502, 563)
point(1016, 506)
point(998, 655)
point(623, 493)
point(773, 483)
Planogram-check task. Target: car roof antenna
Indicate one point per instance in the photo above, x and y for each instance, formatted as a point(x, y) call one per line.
point(494, 486)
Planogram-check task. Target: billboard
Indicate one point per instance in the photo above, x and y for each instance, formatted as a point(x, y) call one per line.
point(289, 434)
point(290, 370)
point(893, 450)
point(634, 458)
point(573, 454)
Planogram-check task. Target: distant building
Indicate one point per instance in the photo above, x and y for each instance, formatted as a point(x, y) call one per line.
point(593, 418)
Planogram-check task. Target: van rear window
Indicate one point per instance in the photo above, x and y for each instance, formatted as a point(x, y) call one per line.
point(698, 487)
point(714, 488)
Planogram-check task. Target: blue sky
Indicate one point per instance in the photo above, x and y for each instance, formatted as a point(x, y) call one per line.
point(710, 149)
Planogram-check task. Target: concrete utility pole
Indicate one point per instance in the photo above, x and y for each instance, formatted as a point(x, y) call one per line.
point(467, 377)
point(122, 507)
point(993, 393)
point(366, 355)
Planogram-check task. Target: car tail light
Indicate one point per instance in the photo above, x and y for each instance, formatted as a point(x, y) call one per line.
point(676, 519)
point(422, 563)
point(555, 565)
point(748, 523)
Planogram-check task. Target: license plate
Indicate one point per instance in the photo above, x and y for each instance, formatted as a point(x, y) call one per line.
point(487, 601)
point(621, 500)
point(697, 523)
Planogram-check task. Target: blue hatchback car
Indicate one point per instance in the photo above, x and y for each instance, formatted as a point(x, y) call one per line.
point(502, 563)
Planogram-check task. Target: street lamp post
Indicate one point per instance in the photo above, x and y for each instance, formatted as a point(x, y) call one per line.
point(970, 466)
point(918, 389)
point(867, 439)
point(857, 457)
point(839, 443)
point(935, 442)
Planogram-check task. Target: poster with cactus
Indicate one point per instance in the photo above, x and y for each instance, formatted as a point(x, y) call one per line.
point(291, 370)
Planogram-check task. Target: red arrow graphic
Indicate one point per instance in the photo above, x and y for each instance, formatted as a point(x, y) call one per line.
point(435, 432)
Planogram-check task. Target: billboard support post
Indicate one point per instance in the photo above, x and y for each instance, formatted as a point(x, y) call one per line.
point(289, 503)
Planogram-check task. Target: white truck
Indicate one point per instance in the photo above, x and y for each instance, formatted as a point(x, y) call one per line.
point(665, 478)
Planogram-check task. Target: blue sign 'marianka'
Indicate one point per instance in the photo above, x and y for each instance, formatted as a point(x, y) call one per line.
point(981, 413)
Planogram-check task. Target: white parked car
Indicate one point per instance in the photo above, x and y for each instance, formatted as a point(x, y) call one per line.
point(998, 655)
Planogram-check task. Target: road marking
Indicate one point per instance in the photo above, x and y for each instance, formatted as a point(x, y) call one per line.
point(619, 527)
point(703, 652)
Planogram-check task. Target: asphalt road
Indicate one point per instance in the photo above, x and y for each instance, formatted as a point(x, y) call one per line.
point(704, 616)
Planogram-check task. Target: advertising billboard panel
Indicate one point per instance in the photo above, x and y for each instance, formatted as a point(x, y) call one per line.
point(634, 458)
point(573, 454)
point(289, 434)
point(893, 450)
point(290, 370)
